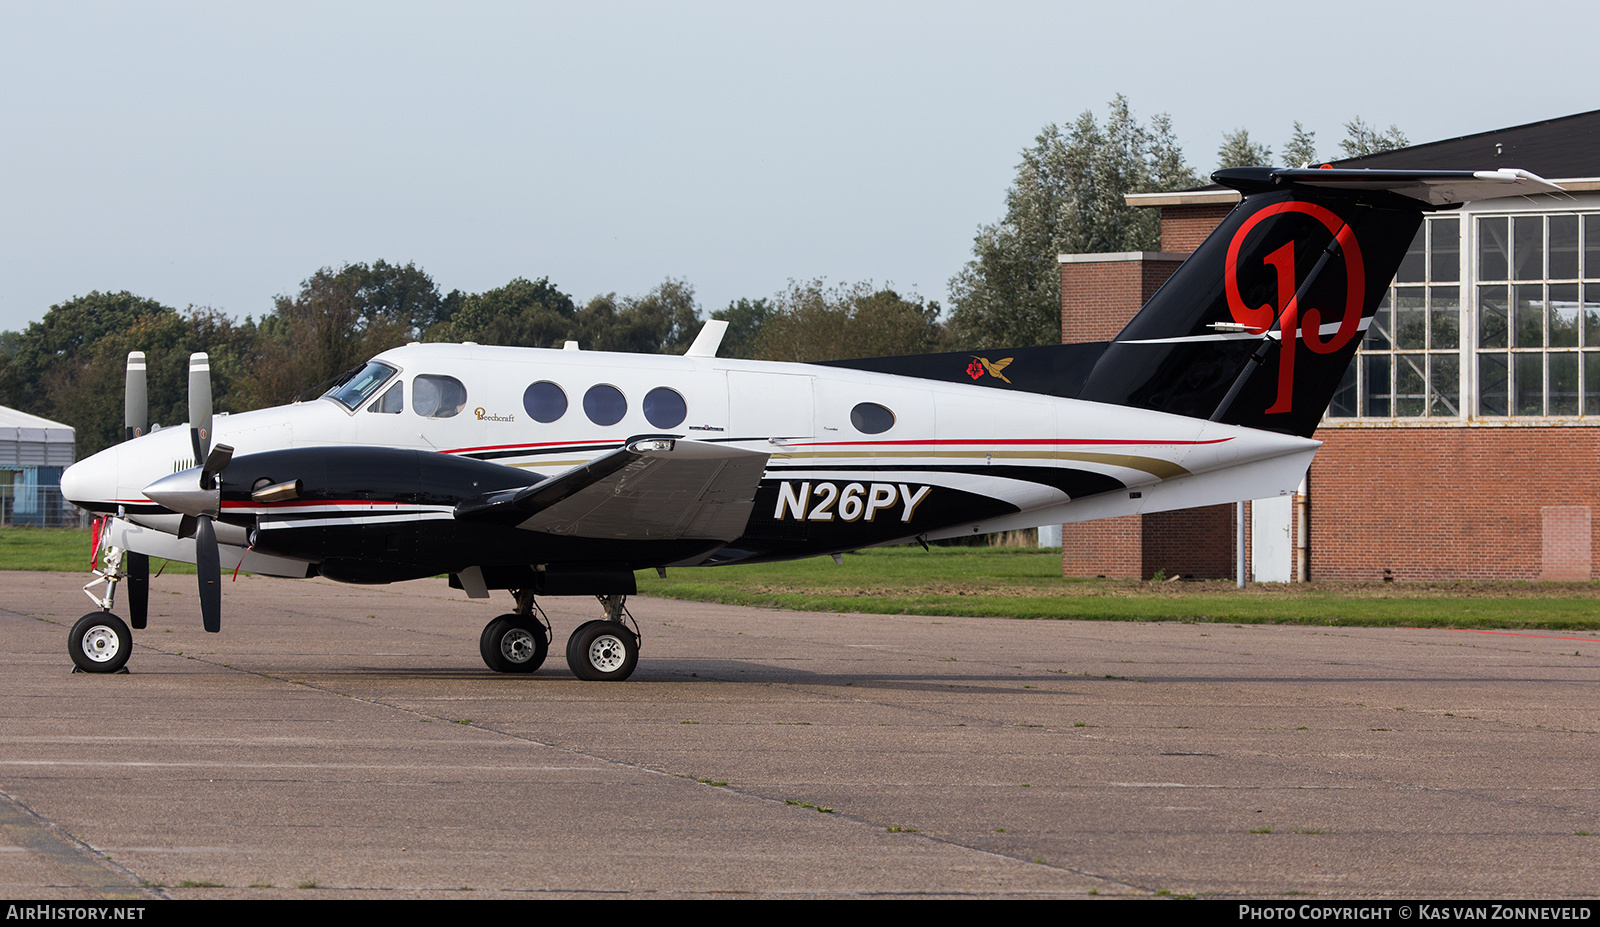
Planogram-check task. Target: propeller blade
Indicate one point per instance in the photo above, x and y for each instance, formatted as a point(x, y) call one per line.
point(135, 408)
point(216, 462)
point(138, 567)
point(208, 566)
point(200, 405)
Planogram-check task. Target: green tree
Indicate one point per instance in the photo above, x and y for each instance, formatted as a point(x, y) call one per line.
point(523, 313)
point(745, 318)
point(337, 320)
point(1237, 150)
point(663, 321)
point(1067, 198)
point(812, 322)
point(1301, 148)
point(70, 366)
point(1362, 139)
point(404, 295)
point(62, 336)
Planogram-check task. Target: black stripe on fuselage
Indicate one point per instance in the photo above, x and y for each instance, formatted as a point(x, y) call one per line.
point(1075, 483)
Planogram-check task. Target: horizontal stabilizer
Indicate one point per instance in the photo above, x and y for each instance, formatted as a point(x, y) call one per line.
point(1435, 188)
point(651, 488)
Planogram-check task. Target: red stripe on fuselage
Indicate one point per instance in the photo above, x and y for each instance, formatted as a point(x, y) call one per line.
point(520, 447)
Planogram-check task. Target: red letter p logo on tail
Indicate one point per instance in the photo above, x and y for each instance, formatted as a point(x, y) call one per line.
point(1287, 311)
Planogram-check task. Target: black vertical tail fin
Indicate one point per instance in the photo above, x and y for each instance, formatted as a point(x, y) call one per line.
point(1259, 325)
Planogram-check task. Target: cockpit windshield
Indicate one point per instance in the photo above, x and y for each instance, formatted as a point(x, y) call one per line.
point(366, 381)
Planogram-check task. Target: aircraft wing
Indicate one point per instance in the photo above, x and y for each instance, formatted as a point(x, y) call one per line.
point(651, 488)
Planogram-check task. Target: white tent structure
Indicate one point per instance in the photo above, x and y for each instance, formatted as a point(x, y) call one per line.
point(33, 452)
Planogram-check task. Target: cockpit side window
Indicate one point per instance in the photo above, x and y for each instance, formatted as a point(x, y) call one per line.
point(356, 390)
point(392, 401)
point(437, 396)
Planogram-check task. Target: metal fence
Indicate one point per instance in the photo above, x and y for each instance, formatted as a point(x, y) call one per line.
point(38, 506)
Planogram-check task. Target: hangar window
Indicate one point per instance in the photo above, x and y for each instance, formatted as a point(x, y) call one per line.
point(664, 407)
point(1495, 315)
point(437, 396)
point(544, 401)
point(1409, 365)
point(605, 404)
point(869, 418)
point(1538, 292)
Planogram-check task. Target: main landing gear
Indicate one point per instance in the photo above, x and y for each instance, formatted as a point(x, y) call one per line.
point(603, 650)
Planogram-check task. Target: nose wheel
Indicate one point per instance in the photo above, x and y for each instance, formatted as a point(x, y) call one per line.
point(100, 643)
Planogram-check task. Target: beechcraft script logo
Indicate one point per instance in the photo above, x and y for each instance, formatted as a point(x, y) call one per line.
point(983, 365)
point(1298, 324)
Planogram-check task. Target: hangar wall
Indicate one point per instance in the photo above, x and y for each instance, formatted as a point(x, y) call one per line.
point(1454, 503)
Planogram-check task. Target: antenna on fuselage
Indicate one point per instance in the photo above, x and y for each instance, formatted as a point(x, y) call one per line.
point(709, 339)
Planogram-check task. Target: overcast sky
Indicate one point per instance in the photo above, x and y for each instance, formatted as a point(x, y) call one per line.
point(219, 153)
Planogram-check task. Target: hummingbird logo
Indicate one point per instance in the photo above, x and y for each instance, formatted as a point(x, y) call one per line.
point(983, 365)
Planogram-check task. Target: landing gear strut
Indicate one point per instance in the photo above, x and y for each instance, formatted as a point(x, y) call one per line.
point(100, 642)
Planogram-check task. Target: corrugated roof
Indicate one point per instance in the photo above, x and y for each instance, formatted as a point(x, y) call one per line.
point(1568, 146)
point(11, 418)
point(1565, 148)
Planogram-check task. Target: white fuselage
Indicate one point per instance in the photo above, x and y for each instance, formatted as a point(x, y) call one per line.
point(977, 439)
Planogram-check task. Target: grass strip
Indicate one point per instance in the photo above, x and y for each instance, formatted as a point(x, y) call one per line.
point(1026, 584)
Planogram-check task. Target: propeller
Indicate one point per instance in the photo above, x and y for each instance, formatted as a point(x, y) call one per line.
point(207, 562)
point(136, 418)
point(197, 494)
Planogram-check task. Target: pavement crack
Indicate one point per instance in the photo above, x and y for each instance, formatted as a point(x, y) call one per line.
point(82, 866)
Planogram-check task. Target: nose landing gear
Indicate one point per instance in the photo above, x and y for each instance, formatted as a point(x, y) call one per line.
point(100, 642)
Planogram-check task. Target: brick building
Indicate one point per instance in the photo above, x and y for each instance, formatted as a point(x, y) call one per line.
point(1464, 440)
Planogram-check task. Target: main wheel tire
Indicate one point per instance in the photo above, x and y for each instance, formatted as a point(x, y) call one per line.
point(572, 641)
point(513, 644)
point(603, 651)
point(100, 643)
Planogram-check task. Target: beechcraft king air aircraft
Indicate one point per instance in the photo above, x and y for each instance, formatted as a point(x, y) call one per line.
point(551, 472)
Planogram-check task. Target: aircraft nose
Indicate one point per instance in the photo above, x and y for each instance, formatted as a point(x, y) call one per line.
point(91, 483)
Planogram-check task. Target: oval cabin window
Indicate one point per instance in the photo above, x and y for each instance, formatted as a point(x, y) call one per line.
point(664, 408)
point(869, 418)
point(605, 404)
point(544, 401)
